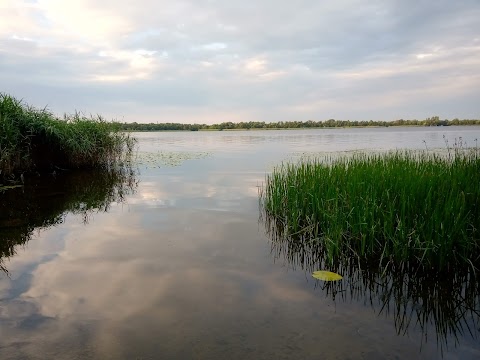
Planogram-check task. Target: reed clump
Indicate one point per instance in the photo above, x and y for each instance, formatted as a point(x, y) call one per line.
point(35, 140)
point(415, 208)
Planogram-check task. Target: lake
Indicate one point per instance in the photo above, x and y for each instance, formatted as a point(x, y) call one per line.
point(174, 261)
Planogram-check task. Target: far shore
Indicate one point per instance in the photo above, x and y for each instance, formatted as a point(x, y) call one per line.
point(296, 128)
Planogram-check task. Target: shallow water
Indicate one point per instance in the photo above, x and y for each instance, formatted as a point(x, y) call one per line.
point(180, 267)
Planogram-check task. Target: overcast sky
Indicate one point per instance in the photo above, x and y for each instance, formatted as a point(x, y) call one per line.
point(209, 61)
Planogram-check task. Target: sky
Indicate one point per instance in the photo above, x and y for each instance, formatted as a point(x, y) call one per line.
point(211, 61)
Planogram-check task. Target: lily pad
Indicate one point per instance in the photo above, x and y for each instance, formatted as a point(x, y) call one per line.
point(326, 275)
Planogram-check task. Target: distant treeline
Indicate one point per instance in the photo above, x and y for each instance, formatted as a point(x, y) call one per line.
point(331, 123)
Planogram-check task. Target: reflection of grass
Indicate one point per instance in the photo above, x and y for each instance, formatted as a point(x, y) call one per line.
point(403, 228)
point(167, 158)
point(44, 201)
point(445, 306)
point(401, 206)
point(34, 140)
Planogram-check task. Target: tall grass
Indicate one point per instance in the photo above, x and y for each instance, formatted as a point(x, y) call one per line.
point(419, 209)
point(35, 140)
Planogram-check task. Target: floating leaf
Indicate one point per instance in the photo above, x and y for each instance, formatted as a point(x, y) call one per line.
point(326, 275)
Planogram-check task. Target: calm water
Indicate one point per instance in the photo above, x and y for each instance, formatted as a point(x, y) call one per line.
point(174, 263)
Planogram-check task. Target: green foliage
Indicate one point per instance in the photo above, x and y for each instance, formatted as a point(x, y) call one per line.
point(402, 206)
point(33, 139)
point(331, 123)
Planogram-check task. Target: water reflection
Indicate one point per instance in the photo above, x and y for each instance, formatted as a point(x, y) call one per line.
point(281, 141)
point(44, 201)
point(181, 270)
point(444, 306)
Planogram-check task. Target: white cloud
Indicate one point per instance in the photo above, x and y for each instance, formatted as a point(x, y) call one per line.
point(255, 65)
point(139, 64)
point(84, 20)
point(422, 56)
point(215, 46)
point(204, 60)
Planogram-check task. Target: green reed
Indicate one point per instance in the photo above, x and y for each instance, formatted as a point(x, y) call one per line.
point(35, 140)
point(402, 206)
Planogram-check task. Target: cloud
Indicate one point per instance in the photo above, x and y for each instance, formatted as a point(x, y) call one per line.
point(149, 288)
point(203, 61)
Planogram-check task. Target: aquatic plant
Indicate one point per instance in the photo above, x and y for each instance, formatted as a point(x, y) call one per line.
point(35, 140)
point(402, 206)
point(167, 158)
point(445, 307)
point(325, 275)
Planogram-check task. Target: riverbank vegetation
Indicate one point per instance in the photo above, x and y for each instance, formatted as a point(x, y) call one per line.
point(331, 123)
point(417, 209)
point(35, 140)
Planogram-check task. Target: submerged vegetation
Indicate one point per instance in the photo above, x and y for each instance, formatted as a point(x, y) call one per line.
point(443, 307)
point(35, 140)
point(167, 158)
point(417, 210)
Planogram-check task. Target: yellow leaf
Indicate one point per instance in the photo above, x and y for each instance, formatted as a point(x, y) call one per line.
point(326, 275)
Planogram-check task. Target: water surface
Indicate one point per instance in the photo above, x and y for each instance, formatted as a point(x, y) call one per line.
point(177, 265)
